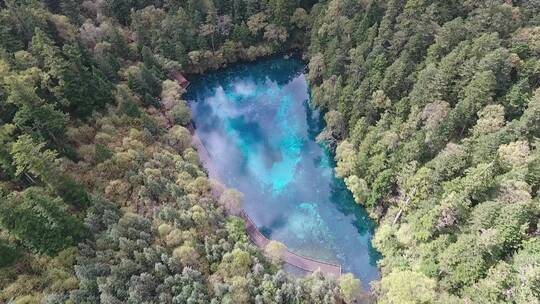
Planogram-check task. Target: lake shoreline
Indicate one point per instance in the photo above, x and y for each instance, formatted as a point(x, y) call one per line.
point(269, 71)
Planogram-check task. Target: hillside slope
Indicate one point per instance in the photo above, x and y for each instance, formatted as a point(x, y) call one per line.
point(102, 197)
point(436, 109)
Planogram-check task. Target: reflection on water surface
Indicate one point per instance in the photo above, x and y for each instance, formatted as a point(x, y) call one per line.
point(256, 123)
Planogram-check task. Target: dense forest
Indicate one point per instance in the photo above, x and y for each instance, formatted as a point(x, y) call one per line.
point(432, 107)
point(102, 197)
point(435, 110)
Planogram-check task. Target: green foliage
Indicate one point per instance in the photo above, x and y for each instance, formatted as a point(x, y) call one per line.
point(236, 228)
point(126, 103)
point(181, 114)
point(72, 76)
point(440, 110)
point(380, 188)
point(350, 287)
point(71, 192)
point(232, 200)
point(407, 287)
point(102, 153)
point(8, 254)
point(358, 188)
point(34, 115)
point(182, 255)
point(40, 221)
point(433, 108)
point(275, 250)
point(85, 107)
point(31, 157)
point(145, 84)
point(462, 263)
point(334, 130)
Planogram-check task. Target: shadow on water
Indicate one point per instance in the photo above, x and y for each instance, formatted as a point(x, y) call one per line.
point(270, 69)
point(340, 195)
point(278, 223)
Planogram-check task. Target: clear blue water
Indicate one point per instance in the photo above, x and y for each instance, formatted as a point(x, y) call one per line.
point(259, 129)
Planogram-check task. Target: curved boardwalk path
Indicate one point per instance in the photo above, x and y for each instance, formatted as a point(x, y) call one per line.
point(289, 257)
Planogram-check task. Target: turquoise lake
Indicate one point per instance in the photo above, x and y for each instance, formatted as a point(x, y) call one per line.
point(256, 122)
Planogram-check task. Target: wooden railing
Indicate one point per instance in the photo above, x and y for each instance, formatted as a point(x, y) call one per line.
point(289, 257)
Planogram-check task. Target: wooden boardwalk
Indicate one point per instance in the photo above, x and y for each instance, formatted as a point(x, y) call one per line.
point(289, 257)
